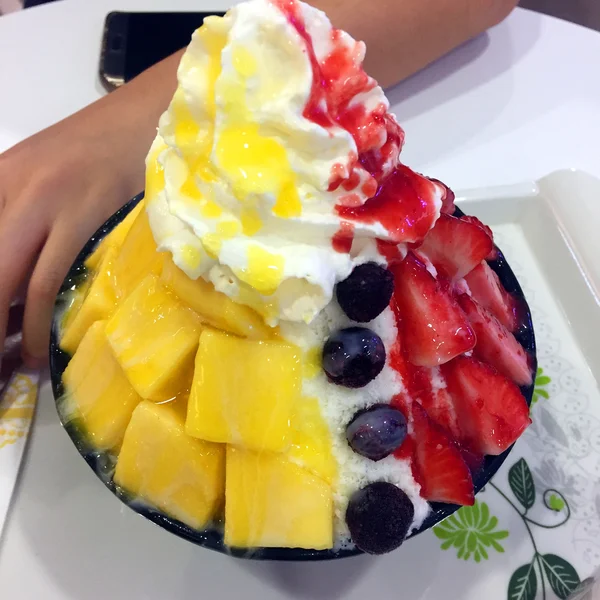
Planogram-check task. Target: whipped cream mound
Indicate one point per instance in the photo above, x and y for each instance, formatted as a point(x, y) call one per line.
point(265, 161)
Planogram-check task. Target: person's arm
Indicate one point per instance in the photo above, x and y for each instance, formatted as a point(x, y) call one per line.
point(59, 185)
point(403, 36)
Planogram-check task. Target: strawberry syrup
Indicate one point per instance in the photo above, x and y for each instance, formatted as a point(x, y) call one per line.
point(416, 380)
point(400, 200)
point(390, 251)
point(343, 238)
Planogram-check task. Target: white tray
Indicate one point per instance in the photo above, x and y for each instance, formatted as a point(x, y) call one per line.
point(68, 538)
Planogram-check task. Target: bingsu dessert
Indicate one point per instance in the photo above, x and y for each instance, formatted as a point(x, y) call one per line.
point(294, 337)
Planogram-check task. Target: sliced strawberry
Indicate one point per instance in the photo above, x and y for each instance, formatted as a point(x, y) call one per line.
point(439, 468)
point(439, 406)
point(416, 380)
point(427, 386)
point(486, 288)
point(406, 450)
point(460, 287)
point(491, 411)
point(448, 197)
point(475, 221)
point(473, 459)
point(456, 247)
point(434, 329)
point(405, 204)
point(496, 345)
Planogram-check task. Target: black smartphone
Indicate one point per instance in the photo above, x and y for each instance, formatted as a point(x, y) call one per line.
point(134, 41)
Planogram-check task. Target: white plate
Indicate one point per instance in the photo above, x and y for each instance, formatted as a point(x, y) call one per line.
point(68, 538)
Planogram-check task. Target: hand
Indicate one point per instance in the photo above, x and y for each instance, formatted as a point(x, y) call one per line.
point(56, 189)
point(59, 186)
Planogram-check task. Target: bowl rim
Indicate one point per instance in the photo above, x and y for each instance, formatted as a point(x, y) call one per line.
point(102, 463)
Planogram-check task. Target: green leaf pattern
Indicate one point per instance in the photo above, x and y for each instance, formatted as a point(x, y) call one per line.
point(523, 583)
point(539, 391)
point(472, 531)
point(556, 503)
point(561, 574)
point(521, 483)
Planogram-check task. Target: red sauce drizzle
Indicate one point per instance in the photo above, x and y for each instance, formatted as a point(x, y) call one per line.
point(336, 81)
point(416, 380)
point(407, 451)
point(343, 238)
point(369, 188)
point(400, 200)
point(316, 108)
point(390, 251)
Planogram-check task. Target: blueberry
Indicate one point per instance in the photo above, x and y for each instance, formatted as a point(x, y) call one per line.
point(366, 292)
point(354, 356)
point(376, 432)
point(378, 517)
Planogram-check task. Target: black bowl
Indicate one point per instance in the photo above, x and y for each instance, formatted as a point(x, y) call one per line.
point(102, 463)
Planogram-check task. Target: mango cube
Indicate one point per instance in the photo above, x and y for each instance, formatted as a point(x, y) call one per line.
point(311, 440)
point(138, 256)
point(97, 391)
point(243, 391)
point(164, 467)
point(76, 298)
point(213, 307)
point(98, 303)
point(155, 337)
point(115, 238)
point(271, 502)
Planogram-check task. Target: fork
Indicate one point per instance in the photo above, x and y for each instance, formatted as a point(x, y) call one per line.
point(18, 384)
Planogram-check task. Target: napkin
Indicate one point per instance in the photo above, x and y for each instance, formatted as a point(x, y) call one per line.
point(18, 397)
point(17, 405)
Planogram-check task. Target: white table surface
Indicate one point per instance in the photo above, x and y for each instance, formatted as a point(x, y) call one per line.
point(510, 106)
